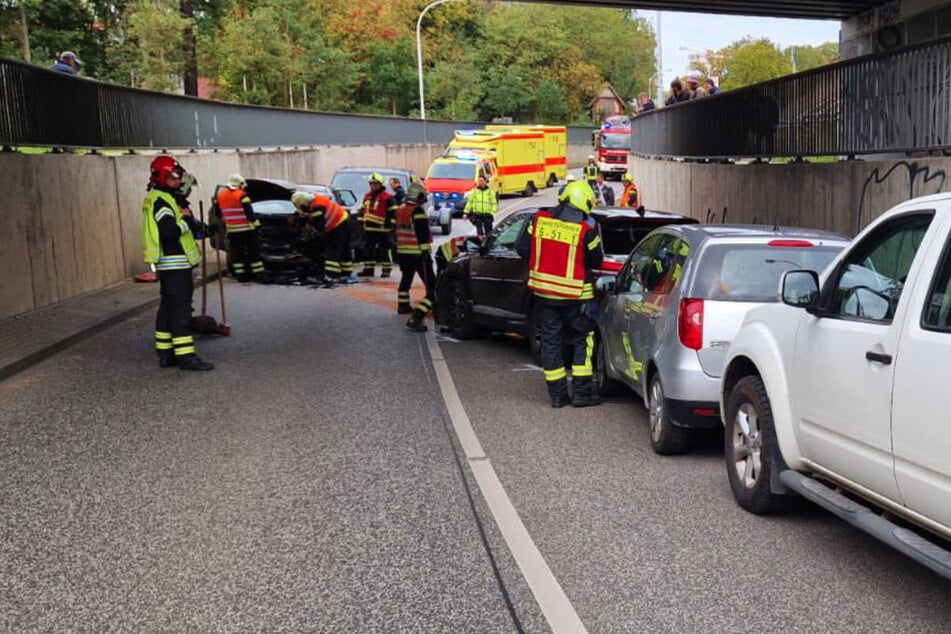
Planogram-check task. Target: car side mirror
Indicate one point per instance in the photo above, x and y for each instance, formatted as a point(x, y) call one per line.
point(800, 289)
point(606, 284)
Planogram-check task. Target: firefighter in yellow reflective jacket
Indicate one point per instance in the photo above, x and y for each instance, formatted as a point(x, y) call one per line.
point(563, 245)
point(414, 251)
point(481, 207)
point(168, 243)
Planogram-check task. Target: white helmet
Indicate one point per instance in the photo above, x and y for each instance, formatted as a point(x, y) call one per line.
point(236, 180)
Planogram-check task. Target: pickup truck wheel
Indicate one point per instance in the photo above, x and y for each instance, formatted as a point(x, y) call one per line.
point(605, 384)
point(666, 439)
point(749, 440)
point(459, 314)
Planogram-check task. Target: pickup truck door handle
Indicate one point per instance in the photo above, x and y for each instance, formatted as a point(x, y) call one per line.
point(878, 357)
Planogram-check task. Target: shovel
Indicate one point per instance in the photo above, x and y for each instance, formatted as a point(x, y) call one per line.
point(204, 323)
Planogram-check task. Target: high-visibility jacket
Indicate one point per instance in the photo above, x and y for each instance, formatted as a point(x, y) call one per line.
point(557, 261)
point(378, 210)
point(482, 201)
point(326, 213)
point(233, 204)
point(152, 214)
point(630, 198)
point(411, 236)
point(591, 173)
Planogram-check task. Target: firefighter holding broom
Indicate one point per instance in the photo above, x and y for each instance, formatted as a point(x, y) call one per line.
point(168, 243)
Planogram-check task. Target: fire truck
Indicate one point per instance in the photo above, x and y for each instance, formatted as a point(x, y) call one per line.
point(613, 142)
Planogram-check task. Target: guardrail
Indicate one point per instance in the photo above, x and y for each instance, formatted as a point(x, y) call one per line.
point(39, 107)
point(883, 103)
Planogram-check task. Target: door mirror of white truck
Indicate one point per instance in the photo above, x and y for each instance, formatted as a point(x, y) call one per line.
point(606, 284)
point(800, 289)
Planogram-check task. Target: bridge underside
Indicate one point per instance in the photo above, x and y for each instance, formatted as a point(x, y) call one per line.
point(812, 9)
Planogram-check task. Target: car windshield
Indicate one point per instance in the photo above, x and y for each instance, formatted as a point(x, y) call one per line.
point(456, 171)
point(751, 272)
point(273, 207)
point(616, 141)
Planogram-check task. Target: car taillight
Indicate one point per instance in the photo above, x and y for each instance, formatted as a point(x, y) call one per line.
point(690, 324)
point(790, 243)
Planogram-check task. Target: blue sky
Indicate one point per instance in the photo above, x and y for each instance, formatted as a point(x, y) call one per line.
point(700, 31)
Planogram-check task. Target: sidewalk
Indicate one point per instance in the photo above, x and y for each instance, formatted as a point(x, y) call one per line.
point(32, 337)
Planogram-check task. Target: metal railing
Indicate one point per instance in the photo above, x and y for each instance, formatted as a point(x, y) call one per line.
point(884, 103)
point(39, 107)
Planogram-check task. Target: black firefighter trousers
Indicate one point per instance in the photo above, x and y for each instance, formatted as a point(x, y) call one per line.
point(564, 323)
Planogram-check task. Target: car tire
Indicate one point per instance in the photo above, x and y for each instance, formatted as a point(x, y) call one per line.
point(605, 384)
point(666, 439)
point(447, 228)
point(533, 332)
point(749, 442)
point(459, 313)
point(529, 190)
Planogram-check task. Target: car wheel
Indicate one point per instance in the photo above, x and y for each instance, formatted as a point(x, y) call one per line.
point(533, 332)
point(606, 385)
point(459, 314)
point(529, 190)
point(666, 439)
point(447, 228)
point(749, 443)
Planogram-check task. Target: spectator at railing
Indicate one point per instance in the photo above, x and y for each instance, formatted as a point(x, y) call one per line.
point(678, 94)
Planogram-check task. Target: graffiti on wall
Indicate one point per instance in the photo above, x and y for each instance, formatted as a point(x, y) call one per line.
point(904, 179)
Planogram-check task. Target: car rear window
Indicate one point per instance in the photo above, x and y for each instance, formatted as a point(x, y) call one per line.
point(751, 272)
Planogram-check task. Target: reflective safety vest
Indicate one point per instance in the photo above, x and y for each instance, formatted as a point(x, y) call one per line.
point(629, 198)
point(556, 266)
point(230, 203)
point(334, 214)
point(374, 210)
point(151, 242)
point(406, 241)
point(482, 201)
point(590, 173)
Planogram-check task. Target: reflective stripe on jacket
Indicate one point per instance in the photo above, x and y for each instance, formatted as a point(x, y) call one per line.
point(152, 244)
point(556, 264)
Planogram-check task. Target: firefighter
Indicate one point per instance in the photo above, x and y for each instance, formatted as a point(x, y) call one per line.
point(168, 242)
point(322, 215)
point(481, 207)
point(414, 250)
point(563, 245)
point(630, 198)
point(590, 173)
point(233, 207)
point(379, 210)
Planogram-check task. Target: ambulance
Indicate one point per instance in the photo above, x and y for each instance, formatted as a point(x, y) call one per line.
point(556, 149)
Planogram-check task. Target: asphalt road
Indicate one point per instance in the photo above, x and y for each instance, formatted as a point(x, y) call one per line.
point(313, 482)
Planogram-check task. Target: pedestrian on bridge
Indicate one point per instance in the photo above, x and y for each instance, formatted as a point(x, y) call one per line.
point(414, 250)
point(168, 242)
point(481, 207)
point(379, 212)
point(564, 248)
point(233, 207)
point(324, 217)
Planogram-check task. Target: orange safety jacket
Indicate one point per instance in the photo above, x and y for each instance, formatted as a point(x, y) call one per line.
point(556, 265)
point(333, 214)
point(407, 241)
point(376, 209)
point(231, 204)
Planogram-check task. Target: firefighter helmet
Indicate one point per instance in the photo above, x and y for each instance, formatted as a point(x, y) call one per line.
point(162, 167)
point(579, 195)
point(302, 200)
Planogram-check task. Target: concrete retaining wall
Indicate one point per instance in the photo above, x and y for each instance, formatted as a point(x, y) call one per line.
point(71, 224)
point(841, 197)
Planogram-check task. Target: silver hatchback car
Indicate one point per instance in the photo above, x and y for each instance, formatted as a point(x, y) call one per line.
point(670, 314)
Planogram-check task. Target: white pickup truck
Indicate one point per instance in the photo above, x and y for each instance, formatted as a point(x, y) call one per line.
point(837, 393)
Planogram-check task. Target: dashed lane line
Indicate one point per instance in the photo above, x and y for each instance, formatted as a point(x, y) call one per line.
point(551, 598)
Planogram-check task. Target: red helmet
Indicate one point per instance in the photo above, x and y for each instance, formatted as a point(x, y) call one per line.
point(162, 167)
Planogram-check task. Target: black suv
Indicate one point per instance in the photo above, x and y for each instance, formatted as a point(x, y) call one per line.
point(485, 288)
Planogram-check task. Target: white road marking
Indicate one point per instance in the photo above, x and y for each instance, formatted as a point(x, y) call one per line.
point(551, 598)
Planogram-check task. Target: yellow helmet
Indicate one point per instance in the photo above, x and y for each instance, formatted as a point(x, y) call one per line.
point(579, 195)
point(375, 176)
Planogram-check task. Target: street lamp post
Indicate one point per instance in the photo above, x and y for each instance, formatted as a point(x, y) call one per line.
point(419, 61)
